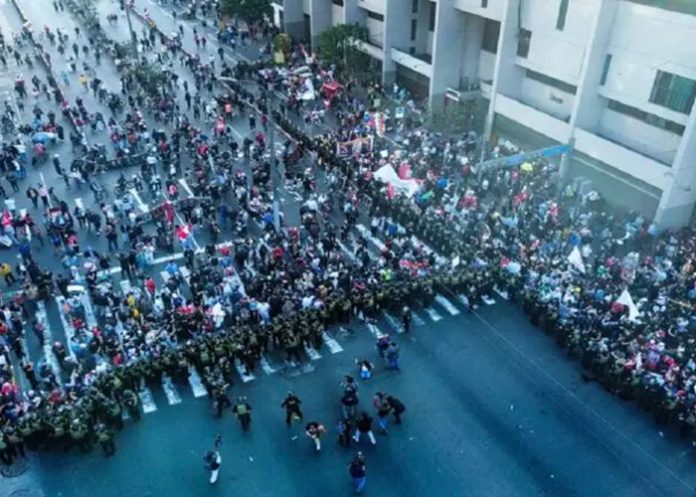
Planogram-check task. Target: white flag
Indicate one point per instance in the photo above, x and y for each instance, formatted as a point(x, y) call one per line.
point(575, 258)
point(626, 299)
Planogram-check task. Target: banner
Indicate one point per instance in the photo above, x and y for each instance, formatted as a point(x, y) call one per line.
point(358, 146)
point(386, 174)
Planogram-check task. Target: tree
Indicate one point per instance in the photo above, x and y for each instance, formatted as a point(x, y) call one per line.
point(337, 45)
point(454, 118)
point(249, 11)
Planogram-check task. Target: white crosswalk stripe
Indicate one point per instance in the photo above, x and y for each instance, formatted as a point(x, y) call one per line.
point(312, 353)
point(246, 378)
point(417, 320)
point(503, 294)
point(333, 345)
point(42, 319)
point(266, 366)
point(449, 306)
point(186, 187)
point(170, 391)
point(393, 322)
point(90, 318)
point(141, 205)
point(67, 327)
point(347, 251)
point(196, 383)
point(374, 329)
point(146, 399)
point(434, 315)
point(186, 274)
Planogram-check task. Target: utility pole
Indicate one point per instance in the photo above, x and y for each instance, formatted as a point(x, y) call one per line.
point(133, 36)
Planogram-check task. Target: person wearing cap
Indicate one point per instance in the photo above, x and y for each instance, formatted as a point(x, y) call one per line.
point(292, 408)
point(242, 409)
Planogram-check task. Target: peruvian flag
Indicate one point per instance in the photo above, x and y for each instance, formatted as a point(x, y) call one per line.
point(183, 232)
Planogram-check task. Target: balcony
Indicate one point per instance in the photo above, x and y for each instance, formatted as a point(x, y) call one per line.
point(419, 65)
point(622, 158)
point(372, 50)
point(528, 116)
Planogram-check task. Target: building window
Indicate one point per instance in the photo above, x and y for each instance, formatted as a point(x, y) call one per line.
point(431, 25)
point(562, 13)
point(491, 31)
point(414, 29)
point(646, 117)
point(524, 39)
point(375, 16)
point(549, 81)
point(484, 3)
point(605, 69)
point(412, 50)
point(414, 6)
point(674, 92)
point(338, 2)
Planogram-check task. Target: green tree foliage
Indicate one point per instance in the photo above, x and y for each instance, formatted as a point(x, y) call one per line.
point(248, 10)
point(151, 78)
point(455, 118)
point(337, 46)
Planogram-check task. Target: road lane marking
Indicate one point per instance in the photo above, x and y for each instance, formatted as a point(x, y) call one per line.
point(449, 306)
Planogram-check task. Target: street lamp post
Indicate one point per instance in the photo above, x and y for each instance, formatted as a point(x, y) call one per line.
point(133, 38)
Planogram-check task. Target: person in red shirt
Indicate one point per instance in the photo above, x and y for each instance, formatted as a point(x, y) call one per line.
point(150, 286)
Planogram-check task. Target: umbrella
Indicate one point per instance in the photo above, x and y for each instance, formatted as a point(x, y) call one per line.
point(43, 137)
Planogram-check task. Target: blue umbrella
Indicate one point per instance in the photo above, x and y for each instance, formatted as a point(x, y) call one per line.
point(43, 137)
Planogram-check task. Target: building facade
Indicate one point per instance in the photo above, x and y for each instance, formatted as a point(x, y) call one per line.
point(615, 78)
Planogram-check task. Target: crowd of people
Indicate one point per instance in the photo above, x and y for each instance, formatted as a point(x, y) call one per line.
point(574, 263)
point(278, 290)
point(269, 287)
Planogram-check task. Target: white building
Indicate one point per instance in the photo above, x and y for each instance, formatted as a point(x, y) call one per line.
point(617, 78)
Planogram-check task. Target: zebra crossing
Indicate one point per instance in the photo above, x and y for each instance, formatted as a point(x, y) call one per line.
point(387, 323)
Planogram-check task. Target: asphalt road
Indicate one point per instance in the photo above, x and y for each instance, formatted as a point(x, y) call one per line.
point(493, 407)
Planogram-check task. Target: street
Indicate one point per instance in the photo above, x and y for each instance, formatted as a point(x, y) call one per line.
point(493, 407)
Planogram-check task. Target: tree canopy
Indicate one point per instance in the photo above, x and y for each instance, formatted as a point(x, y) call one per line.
point(337, 46)
point(247, 10)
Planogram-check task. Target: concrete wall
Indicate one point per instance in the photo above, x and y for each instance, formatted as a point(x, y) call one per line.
point(557, 53)
point(397, 30)
point(494, 10)
point(486, 66)
point(293, 18)
point(622, 159)
point(379, 5)
point(546, 98)
point(649, 140)
point(336, 15)
point(529, 117)
point(375, 30)
point(320, 20)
